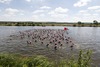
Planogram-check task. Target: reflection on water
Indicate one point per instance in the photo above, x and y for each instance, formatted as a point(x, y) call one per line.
point(86, 36)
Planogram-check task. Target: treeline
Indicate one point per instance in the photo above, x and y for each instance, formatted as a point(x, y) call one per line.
point(3, 23)
point(95, 23)
point(75, 24)
point(20, 24)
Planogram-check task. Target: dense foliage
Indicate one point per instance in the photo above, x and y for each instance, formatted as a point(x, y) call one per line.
point(9, 60)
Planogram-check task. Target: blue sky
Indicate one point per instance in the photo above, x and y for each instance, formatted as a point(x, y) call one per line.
point(50, 10)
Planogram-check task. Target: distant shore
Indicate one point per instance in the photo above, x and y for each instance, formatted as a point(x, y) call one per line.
point(5, 23)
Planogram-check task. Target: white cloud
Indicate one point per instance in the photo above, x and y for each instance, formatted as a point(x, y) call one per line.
point(94, 7)
point(59, 14)
point(81, 3)
point(35, 0)
point(28, 0)
point(5, 1)
point(21, 13)
point(82, 11)
point(97, 10)
point(39, 17)
point(41, 13)
point(45, 7)
point(38, 11)
point(86, 15)
point(59, 10)
point(35, 17)
point(10, 12)
point(95, 14)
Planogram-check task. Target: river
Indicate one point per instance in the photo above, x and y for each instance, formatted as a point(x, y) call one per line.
point(83, 37)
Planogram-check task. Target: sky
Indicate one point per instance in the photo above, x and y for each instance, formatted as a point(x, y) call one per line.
point(50, 10)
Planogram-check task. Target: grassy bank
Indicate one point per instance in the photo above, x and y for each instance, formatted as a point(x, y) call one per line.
point(9, 60)
point(79, 24)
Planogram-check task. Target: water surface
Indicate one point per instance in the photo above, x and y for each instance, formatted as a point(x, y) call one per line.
point(83, 37)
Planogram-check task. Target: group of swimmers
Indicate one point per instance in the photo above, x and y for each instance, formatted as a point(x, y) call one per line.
point(55, 38)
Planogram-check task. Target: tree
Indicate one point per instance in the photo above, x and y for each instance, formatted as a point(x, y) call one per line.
point(79, 23)
point(95, 22)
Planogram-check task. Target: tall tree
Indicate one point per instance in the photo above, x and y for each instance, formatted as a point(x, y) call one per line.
point(95, 22)
point(79, 23)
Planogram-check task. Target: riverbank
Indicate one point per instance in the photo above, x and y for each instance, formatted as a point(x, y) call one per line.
point(49, 24)
point(12, 60)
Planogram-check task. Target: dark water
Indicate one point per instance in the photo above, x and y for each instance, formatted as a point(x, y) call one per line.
point(83, 37)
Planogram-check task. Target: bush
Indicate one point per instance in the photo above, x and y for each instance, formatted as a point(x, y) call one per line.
point(74, 25)
point(38, 61)
point(8, 60)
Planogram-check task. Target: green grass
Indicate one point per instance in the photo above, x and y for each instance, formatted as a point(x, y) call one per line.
point(9, 60)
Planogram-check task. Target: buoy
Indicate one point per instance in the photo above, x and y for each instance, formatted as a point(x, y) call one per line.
point(65, 28)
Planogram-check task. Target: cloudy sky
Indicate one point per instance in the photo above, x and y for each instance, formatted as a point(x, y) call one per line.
point(50, 10)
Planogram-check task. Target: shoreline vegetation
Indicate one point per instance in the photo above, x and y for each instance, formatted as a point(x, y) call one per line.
point(29, 23)
point(12, 60)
